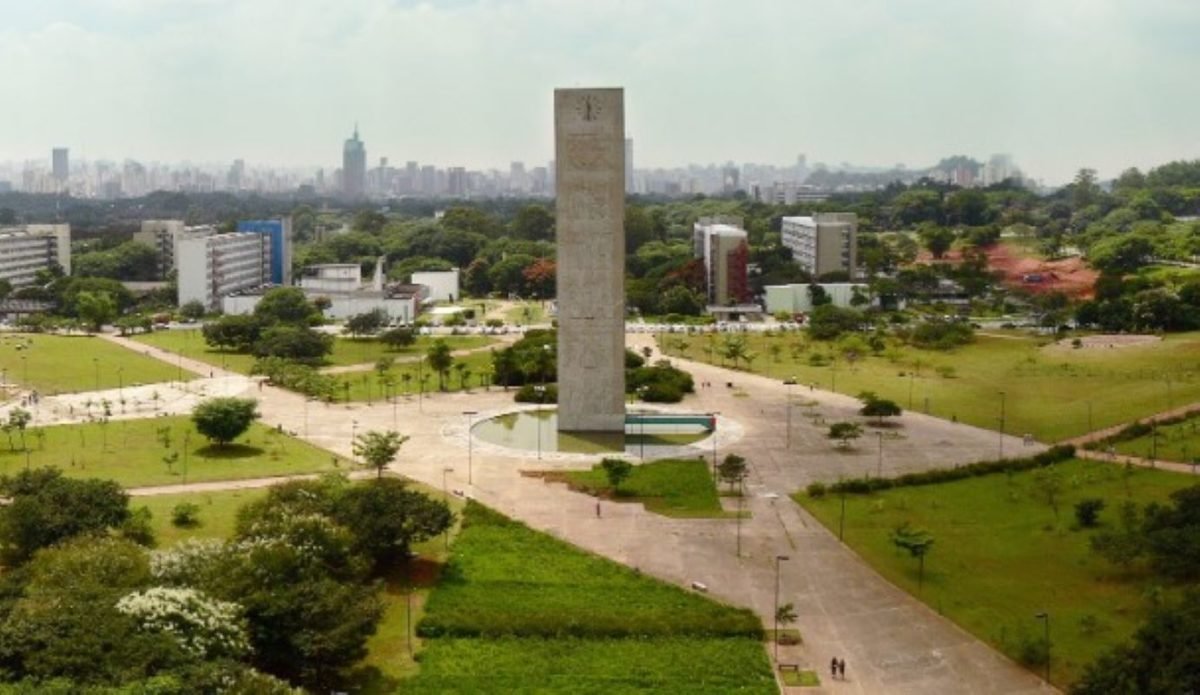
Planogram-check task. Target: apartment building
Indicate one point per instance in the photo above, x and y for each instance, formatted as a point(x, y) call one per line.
point(212, 267)
point(164, 237)
point(823, 243)
point(26, 249)
point(722, 243)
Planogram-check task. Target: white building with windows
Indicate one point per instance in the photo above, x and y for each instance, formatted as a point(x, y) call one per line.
point(212, 267)
point(26, 249)
point(824, 243)
point(164, 237)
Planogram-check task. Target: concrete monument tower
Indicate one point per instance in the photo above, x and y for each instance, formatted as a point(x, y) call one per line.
point(589, 142)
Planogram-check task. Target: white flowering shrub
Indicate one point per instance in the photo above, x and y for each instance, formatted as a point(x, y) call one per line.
point(186, 562)
point(202, 625)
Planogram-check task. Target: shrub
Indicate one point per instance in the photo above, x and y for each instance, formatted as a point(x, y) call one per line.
point(816, 490)
point(185, 515)
point(1087, 511)
point(529, 394)
point(1051, 456)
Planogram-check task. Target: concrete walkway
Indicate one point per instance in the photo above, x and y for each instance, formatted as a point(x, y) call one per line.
point(890, 642)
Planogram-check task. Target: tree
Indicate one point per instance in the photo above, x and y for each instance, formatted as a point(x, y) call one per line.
point(1118, 255)
point(192, 310)
point(732, 469)
point(539, 277)
point(378, 449)
point(238, 333)
point(1163, 657)
point(844, 432)
point(533, 222)
point(785, 615)
point(387, 519)
point(286, 305)
point(917, 542)
point(222, 420)
point(679, 299)
point(1087, 512)
point(1172, 535)
point(397, 338)
point(937, 239)
point(366, 323)
point(440, 361)
point(47, 508)
point(293, 342)
point(617, 470)
point(19, 419)
point(95, 309)
point(827, 322)
point(876, 407)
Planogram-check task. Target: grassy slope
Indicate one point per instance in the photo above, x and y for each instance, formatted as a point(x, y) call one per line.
point(129, 451)
point(57, 364)
point(1048, 389)
point(682, 488)
point(513, 595)
point(1000, 556)
point(1179, 442)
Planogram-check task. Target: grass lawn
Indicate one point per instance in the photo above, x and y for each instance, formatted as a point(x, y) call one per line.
point(131, 453)
point(346, 351)
point(59, 363)
point(1001, 556)
point(406, 379)
point(519, 611)
point(680, 488)
point(1178, 442)
point(801, 679)
point(218, 513)
point(1047, 389)
point(525, 313)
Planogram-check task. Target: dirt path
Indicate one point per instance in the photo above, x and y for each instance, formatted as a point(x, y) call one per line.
point(502, 341)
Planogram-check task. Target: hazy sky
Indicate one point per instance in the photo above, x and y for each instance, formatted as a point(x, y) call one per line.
point(1059, 84)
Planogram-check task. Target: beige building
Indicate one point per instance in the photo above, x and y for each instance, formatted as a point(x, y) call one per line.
point(214, 266)
point(164, 236)
point(722, 243)
point(26, 249)
point(824, 243)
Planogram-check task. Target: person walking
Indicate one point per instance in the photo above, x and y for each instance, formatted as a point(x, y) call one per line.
point(833, 668)
point(842, 669)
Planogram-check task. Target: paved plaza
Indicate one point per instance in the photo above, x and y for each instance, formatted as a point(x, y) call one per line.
point(891, 643)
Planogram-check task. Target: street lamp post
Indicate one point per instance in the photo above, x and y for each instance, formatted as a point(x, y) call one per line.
point(879, 473)
point(1002, 400)
point(541, 392)
point(789, 383)
point(446, 498)
point(714, 415)
point(1045, 618)
point(470, 447)
point(778, 559)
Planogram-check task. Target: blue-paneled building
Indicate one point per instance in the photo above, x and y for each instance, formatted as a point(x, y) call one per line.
point(280, 232)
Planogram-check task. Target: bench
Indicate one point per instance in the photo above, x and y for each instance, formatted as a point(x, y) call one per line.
point(700, 586)
point(789, 667)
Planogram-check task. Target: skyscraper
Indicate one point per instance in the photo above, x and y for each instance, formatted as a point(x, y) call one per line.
point(354, 167)
point(61, 163)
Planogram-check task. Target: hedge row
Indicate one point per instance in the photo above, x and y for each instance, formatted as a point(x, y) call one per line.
point(860, 486)
point(1137, 430)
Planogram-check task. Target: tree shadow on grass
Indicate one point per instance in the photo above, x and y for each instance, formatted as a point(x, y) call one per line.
point(229, 451)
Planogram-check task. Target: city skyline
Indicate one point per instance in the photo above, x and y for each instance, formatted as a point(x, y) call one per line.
point(1061, 85)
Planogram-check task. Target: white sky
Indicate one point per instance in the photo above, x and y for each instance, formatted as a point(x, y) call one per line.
point(1059, 84)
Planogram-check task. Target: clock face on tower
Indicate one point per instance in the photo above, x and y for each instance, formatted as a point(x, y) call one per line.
point(588, 108)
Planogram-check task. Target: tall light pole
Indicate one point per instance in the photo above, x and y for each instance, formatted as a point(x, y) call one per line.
point(1002, 399)
point(714, 415)
point(789, 382)
point(541, 392)
point(778, 559)
point(470, 443)
point(1045, 618)
point(879, 473)
point(446, 498)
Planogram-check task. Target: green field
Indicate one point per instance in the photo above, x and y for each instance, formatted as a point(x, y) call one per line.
point(1176, 442)
point(130, 452)
point(1047, 389)
point(406, 379)
point(346, 351)
point(519, 611)
point(1001, 555)
point(525, 313)
point(58, 364)
point(680, 488)
point(218, 513)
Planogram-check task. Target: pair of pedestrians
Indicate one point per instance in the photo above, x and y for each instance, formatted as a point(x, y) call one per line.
point(837, 668)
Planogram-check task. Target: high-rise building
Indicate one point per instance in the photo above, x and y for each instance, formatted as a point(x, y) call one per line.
point(237, 174)
point(354, 167)
point(25, 250)
point(214, 266)
point(456, 182)
point(824, 243)
point(164, 237)
point(280, 231)
point(517, 181)
point(722, 243)
point(60, 160)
